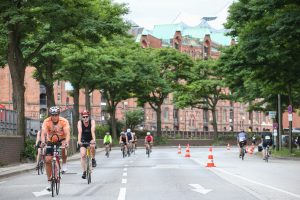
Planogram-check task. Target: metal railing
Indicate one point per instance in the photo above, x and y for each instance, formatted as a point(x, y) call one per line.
point(8, 122)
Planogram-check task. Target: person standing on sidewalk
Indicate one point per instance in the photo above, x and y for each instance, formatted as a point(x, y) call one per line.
point(86, 133)
point(59, 126)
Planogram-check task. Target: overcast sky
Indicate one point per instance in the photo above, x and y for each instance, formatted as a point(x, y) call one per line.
point(152, 12)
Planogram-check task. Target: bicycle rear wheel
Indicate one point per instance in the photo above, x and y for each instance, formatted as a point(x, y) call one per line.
point(123, 151)
point(243, 153)
point(41, 167)
point(57, 178)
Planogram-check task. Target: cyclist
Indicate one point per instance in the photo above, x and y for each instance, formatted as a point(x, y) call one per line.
point(86, 133)
point(134, 140)
point(38, 147)
point(266, 139)
point(107, 140)
point(149, 140)
point(55, 125)
point(241, 141)
point(123, 140)
point(129, 137)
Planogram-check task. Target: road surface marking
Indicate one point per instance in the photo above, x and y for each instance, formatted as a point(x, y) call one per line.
point(258, 183)
point(125, 169)
point(2, 182)
point(122, 194)
point(166, 167)
point(41, 193)
point(124, 180)
point(124, 174)
point(200, 189)
point(126, 165)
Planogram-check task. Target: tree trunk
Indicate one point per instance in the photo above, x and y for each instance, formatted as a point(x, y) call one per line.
point(113, 121)
point(76, 110)
point(215, 125)
point(87, 99)
point(50, 95)
point(158, 121)
point(17, 72)
point(290, 122)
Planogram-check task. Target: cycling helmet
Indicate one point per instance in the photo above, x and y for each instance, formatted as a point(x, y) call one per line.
point(128, 130)
point(107, 133)
point(122, 133)
point(85, 112)
point(54, 110)
point(148, 133)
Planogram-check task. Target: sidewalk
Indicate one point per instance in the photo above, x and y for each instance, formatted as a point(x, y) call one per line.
point(18, 168)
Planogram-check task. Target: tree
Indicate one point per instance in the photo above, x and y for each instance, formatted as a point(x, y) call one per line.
point(114, 74)
point(158, 74)
point(25, 27)
point(203, 89)
point(134, 118)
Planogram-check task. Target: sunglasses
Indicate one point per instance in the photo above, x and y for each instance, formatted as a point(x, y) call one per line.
point(84, 117)
point(55, 115)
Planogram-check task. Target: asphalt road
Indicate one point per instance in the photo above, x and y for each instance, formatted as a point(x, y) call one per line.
point(167, 175)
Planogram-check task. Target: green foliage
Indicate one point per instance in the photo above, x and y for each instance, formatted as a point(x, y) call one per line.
point(134, 118)
point(100, 131)
point(29, 150)
point(160, 140)
point(285, 152)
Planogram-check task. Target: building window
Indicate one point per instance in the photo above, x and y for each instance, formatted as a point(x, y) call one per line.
point(224, 115)
point(58, 97)
point(205, 116)
point(43, 99)
point(166, 114)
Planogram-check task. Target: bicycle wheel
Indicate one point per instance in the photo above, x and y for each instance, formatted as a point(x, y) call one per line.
point(88, 170)
point(123, 151)
point(57, 178)
point(41, 167)
point(243, 153)
point(53, 185)
point(267, 155)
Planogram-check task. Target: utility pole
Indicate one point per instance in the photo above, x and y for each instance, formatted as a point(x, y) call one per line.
point(279, 122)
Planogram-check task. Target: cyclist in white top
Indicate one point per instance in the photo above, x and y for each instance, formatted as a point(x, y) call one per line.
point(241, 140)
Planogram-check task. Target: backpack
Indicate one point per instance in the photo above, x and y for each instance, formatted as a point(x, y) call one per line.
point(129, 136)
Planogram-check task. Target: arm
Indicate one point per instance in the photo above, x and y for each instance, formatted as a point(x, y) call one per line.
point(79, 128)
point(67, 132)
point(38, 137)
point(93, 130)
point(43, 134)
point(110, 139)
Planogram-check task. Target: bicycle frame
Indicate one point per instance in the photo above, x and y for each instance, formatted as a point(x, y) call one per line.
point(89, 166)
point(267, 153)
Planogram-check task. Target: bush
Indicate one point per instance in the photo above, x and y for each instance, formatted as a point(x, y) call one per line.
point(160, 140)
point(29, 150)
point(101, 130)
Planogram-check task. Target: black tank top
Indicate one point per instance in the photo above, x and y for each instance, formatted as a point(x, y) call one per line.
point(86, 132)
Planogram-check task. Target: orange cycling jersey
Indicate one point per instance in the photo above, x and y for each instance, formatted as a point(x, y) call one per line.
point(57, 128)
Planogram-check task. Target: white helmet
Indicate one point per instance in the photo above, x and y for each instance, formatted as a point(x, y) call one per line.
point(148, 133)
point(128, 130)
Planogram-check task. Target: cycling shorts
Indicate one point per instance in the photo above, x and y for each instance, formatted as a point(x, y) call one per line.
point(266, 143)
point(243, 143)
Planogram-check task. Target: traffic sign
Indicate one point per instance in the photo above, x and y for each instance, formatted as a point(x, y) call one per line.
point(290, 109)
point(290, 116)
point(275, 125)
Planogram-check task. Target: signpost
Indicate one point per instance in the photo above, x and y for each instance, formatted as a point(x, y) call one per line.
point(290, 117)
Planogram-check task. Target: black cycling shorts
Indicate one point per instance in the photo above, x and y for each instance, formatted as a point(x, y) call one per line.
point(243, 143)
point(266, 143)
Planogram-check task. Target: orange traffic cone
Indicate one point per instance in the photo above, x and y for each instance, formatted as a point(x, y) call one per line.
point(187, 151)
point(228, 146)
point(210, 162)
point(179, 149)
point(251, 150)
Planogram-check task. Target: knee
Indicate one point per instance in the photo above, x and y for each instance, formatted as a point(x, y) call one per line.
point(48, 159)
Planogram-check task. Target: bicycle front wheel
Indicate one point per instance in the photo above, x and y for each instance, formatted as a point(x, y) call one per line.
point(57, 178)
point(53, 184)
point(88, 170)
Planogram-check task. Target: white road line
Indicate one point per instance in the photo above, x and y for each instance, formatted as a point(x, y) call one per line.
point(122, 194)
point(2, 182)
point(200, 189)
point(125, 169)
point(124, 180)
point(125, 174)
point(41, 193)
point(249, 180)
point(126, 165)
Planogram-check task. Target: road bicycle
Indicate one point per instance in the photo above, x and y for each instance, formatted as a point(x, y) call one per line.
point(89, 166)
point(55, 164)
point(243, 150)
point(41, 163)
point(267, 153)
point(123, 149)
point(148, 149)
point(107, 149)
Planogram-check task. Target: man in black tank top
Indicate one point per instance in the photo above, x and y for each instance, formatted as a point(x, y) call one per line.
point(86, 133)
